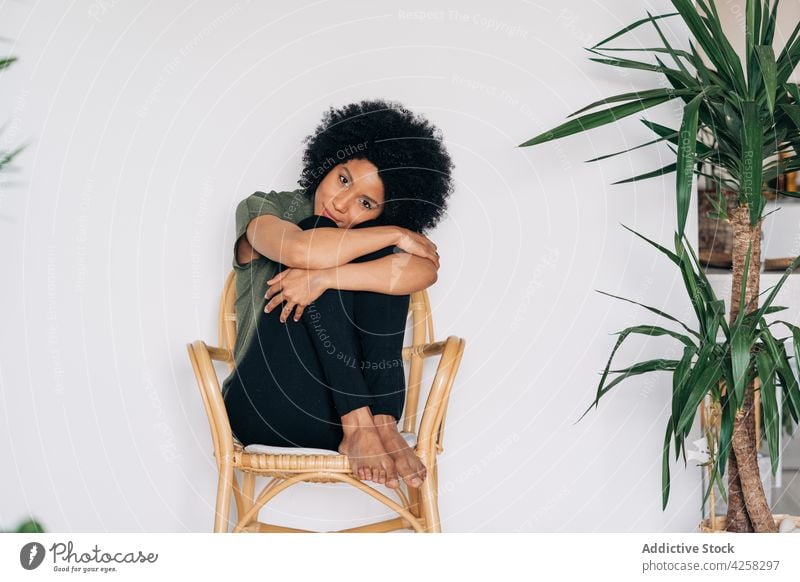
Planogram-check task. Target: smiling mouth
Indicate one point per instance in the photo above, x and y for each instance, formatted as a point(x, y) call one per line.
point(326, 213)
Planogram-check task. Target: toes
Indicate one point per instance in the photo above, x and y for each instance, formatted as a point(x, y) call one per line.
point(367, 473)
point(381, 477)
point(413, 481)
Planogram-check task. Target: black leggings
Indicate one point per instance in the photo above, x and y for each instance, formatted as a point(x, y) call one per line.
point(300, 377)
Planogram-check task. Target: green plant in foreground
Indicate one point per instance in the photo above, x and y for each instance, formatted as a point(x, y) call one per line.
point(28, 526)
point(740, 128)
point(716, 356)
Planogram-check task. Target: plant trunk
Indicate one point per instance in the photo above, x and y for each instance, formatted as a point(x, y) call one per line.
point(747, 504)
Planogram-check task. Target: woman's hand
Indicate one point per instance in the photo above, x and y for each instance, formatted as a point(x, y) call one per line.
point(298, 288)
point(417, 244)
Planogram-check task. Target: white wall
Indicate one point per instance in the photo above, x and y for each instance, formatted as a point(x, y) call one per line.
point(149, 122)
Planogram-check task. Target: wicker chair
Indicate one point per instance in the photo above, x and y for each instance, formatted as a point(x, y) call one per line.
point(417, 508)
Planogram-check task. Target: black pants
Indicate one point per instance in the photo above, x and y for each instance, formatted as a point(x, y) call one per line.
point(300, 377)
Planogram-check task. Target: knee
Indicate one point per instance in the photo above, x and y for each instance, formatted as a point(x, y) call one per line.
point(369, 223)
point(316, 221)
point(378, 253)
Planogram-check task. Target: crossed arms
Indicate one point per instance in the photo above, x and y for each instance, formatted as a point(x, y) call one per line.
point(319, 259)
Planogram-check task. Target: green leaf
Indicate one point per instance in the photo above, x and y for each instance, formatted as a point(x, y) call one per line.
point(669, 48)
point(715, 49)
point(752, 160)
point(766, 373)
point(787, 60)
point(667, 94)
point(681, 384)
point(668, 169)
point(777, 287)
point(665, 466)
point(695, 287)
point(790, 384)
point(741, 343)
point(626, 64)
point(768, 35)
point(725, 431)
point(699, 385)
point(601, 385)
point(769, 74)
point(30, 526)
point(636, 24)
point(672, 136)
point(672, 256)
point(656, 365)
point(597, 119)
point(750, 28)
point(605, 157)
point(649, 49)
point(793, 112)
point(656, 331)
point(686, 159)
point(719, 204)
point(653, 310)
point(682, 372)
point(7, 62)
point(792, 88)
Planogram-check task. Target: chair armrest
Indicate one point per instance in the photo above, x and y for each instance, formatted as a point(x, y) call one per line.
point(431, 430)
point(201, 357)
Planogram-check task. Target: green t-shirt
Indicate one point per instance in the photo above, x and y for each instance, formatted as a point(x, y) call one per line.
point(251, 278)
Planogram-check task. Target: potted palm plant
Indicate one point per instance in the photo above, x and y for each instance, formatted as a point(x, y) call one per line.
point(740, 129)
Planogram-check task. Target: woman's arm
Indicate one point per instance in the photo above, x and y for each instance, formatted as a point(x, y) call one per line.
point(319, 248)
point(395, 274)
point(322, 248)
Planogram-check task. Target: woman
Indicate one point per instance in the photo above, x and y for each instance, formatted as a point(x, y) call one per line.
point(323, 279)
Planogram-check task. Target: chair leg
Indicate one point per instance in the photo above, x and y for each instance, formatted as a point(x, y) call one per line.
point(248, 492)
point(224, 491)
point(429, 501)
point(414, 503)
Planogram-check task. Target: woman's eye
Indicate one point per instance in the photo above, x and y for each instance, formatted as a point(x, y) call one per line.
point(343, 177)
point(367, 204)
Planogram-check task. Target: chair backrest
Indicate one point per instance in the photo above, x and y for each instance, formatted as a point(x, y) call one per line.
point(421, 333)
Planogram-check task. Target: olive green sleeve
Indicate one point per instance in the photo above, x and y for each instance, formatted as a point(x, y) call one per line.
point(257, 204)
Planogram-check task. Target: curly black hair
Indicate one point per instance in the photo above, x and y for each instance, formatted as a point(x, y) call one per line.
point(406, 148)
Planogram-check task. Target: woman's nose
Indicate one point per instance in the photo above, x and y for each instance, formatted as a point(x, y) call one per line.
point(339, 203)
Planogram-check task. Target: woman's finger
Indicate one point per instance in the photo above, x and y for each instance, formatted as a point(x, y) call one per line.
point(286, 311)
point(274, 302)
point(278, 277)
point(298, 312)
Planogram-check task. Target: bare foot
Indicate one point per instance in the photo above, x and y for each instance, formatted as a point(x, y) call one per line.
point(407, 463)
point(365, 451)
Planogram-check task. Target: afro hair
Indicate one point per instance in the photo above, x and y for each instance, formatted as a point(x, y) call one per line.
point(406, 148)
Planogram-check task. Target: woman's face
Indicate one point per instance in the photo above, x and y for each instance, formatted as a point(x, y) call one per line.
point(350, 193)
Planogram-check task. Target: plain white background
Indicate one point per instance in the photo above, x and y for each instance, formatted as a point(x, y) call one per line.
point(148, 123)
